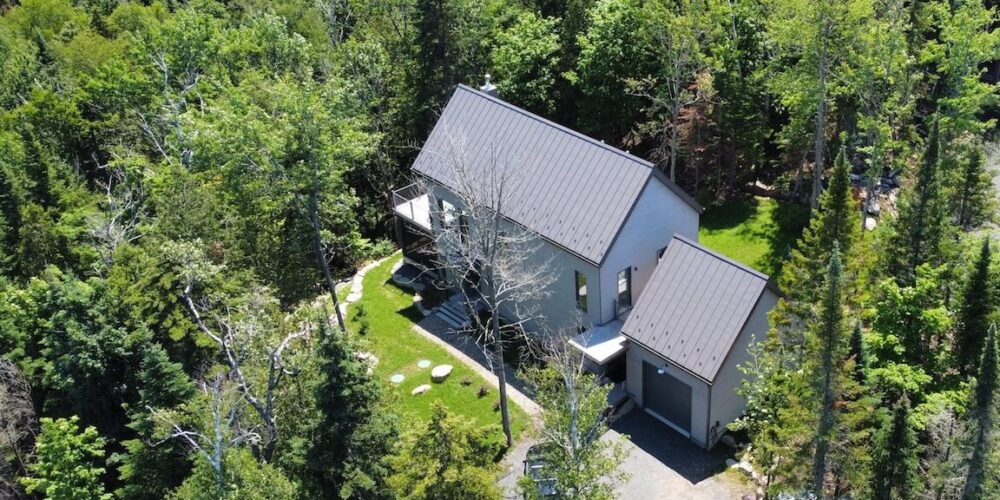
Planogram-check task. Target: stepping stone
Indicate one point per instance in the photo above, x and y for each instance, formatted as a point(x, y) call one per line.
point(397, 378)
point(424, 363)
point(420, 389)
point(440, 373)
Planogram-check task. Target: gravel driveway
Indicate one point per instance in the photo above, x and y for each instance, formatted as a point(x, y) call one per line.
point(661, 464)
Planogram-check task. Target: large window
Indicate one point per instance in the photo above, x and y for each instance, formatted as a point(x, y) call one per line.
point(581, 291)
point(625, 289)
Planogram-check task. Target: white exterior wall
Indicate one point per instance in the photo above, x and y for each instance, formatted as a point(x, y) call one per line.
point(658, 214)
point(558, 303)
point(726, 405)
point(699, 389)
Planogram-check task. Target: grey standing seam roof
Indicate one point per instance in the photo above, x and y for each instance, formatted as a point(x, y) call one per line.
point(694, 306)
point(568, 188)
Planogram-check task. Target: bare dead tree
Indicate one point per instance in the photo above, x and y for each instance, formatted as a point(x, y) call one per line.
point(168, 123)
point(495, 263)
point(219, 432)
point(246, 339)
point(121, 211)
point(943, 461)
point(18, 427)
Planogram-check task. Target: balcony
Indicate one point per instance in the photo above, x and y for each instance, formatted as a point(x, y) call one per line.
point(412, 204)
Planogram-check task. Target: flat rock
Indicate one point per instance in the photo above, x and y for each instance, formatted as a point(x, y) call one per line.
point(353, 297)
point(731, 463)
point(870, 223)
point(420, 389)
point(440, 373)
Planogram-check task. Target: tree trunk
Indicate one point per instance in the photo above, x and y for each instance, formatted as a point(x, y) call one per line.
point(321, 255)
point(673, 136)
point(502, 378)
point(817, 185)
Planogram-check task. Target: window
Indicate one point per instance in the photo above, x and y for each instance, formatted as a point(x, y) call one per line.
point(463, 228)
point(660, 252)
point(625, 289)
point(581, 291)
point(447, 212)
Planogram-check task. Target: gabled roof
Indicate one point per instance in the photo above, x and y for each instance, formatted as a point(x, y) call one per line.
point(570, 189)
point(694, 306)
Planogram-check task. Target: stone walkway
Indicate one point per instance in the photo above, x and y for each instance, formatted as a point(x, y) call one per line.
point(357, 285)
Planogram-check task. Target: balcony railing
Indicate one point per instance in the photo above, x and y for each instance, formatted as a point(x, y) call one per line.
point(413, 204)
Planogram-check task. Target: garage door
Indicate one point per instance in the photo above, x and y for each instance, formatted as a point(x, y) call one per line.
point(667, 398)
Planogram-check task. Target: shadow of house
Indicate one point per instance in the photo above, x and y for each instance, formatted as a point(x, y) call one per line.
point(673, 450)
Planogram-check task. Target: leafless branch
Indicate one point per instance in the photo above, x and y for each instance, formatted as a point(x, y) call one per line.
point(237, 337)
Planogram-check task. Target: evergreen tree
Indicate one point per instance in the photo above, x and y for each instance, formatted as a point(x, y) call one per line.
point(450, 457)
point(835, 223)
point(976, 200)
point(894, 469)
point(829, 335)
point(150, 472)
point(859, 354)
point(982, 413)
point(354, 435)
point(977, 302)
point(919, 228)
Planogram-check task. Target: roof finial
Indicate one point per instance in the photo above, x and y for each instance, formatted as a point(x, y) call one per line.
point(488, 88)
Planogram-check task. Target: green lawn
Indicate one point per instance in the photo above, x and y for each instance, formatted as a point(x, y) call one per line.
point(756, 231)
point(391, 315)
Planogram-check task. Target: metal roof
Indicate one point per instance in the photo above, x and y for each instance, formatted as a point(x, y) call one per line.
point(570, 189)
point(694, 306)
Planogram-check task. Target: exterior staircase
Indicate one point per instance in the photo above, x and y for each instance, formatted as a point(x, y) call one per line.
point(454, 313)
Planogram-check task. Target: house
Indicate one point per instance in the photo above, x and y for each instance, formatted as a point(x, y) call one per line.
point(667, 320)
point(603, 216)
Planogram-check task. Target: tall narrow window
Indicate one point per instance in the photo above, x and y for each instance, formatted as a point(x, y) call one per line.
point(581, 291)
point(463, 228)
point(625, 289)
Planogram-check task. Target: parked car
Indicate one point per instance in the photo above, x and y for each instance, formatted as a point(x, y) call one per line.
point(536, 467)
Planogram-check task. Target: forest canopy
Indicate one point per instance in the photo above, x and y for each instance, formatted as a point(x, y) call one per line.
point(182, 183)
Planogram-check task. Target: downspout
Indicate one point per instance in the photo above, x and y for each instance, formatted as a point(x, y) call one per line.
point(708, 419)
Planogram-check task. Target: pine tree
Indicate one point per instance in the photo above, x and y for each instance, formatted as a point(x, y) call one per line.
point(836, 222)
point(975, 200)
point(919, 228)
point(829, 334)
point(894, 470)
point(148, 471)
point(977, 302)
point(981, 412)
point(859, 355)
point(354, 436)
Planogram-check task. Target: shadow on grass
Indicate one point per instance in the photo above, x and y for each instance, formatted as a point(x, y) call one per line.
point(753, 221)
point(730, 215)
point(784, 230)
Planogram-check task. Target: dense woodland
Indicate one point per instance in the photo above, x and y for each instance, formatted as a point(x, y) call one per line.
point(182, 183)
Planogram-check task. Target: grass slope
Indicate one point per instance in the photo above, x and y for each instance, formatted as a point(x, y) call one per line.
point(391, 315)
point(758, 232)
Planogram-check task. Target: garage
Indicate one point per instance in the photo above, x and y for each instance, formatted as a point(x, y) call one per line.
point(666, 398)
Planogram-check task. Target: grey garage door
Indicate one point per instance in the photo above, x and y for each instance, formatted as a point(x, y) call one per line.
point(666, 396)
